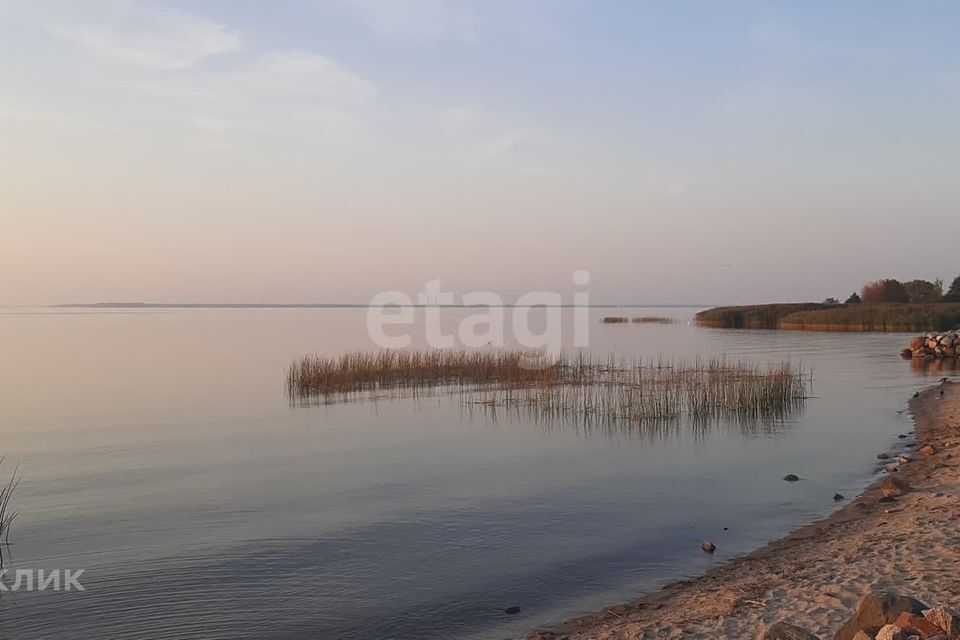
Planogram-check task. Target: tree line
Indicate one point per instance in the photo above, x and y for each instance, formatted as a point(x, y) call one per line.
point(916, 291)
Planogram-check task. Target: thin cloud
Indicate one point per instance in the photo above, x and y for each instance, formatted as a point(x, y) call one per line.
point(154, 38)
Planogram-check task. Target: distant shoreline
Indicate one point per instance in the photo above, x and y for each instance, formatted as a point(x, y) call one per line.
point(339, 305)
point(812, 316)
point(815, 576)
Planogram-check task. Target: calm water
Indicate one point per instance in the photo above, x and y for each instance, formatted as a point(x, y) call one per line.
point(159, 453)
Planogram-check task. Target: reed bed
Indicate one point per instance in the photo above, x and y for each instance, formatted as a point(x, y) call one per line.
point(607, 390)
point(390, 370)
point(653, 320)
point(894, 317)
point(583, 386)
point(7, 513)
point(614, 319)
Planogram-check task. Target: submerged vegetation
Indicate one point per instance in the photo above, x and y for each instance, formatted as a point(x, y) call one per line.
point(587, 386)
point(835, 317)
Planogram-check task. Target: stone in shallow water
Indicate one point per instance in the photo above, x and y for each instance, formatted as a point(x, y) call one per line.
point(511, 610)
point(791, 477)
point(708, 546)
point(838, 496)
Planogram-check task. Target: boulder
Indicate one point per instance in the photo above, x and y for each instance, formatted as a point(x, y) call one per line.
point(787, 631)
point(878, 608)
point(916, 625)
point(893, 486)
point(791, 477)
point(891, 632)
point(946, 619)
point(708, 546)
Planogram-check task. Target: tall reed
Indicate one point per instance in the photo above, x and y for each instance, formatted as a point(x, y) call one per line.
point(7, 513)
point(583, 385)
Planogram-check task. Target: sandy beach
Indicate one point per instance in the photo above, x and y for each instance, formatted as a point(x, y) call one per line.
point(815, 577)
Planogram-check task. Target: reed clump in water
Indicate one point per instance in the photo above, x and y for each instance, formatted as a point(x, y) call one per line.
point(614, 319)
point(385, 370)
point(584, 385)
point(653, 320)
point(634, 391)
point(7, 513)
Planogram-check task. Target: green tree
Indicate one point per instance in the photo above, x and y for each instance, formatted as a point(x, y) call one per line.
point(953, 294)
point(854, 298)
point(922, 291)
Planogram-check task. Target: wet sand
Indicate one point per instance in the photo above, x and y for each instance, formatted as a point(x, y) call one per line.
point(815, 576)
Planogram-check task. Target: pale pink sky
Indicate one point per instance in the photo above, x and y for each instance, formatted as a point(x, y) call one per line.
point(328, 150)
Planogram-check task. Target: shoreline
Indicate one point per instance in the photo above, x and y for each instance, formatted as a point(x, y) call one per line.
point(887, 317)
point(815, 576)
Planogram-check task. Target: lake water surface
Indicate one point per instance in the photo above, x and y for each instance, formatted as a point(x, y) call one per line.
point(159, 453)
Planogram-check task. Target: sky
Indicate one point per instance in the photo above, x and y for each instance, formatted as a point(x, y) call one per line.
point(681, 152)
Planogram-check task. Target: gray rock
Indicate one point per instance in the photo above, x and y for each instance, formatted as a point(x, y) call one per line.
point(790, 477)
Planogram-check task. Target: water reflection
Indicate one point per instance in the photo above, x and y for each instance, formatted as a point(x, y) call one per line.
point(934, 366)
point(696, 428)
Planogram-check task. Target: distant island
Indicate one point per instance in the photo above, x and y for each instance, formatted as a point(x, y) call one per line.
point(883, 305)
